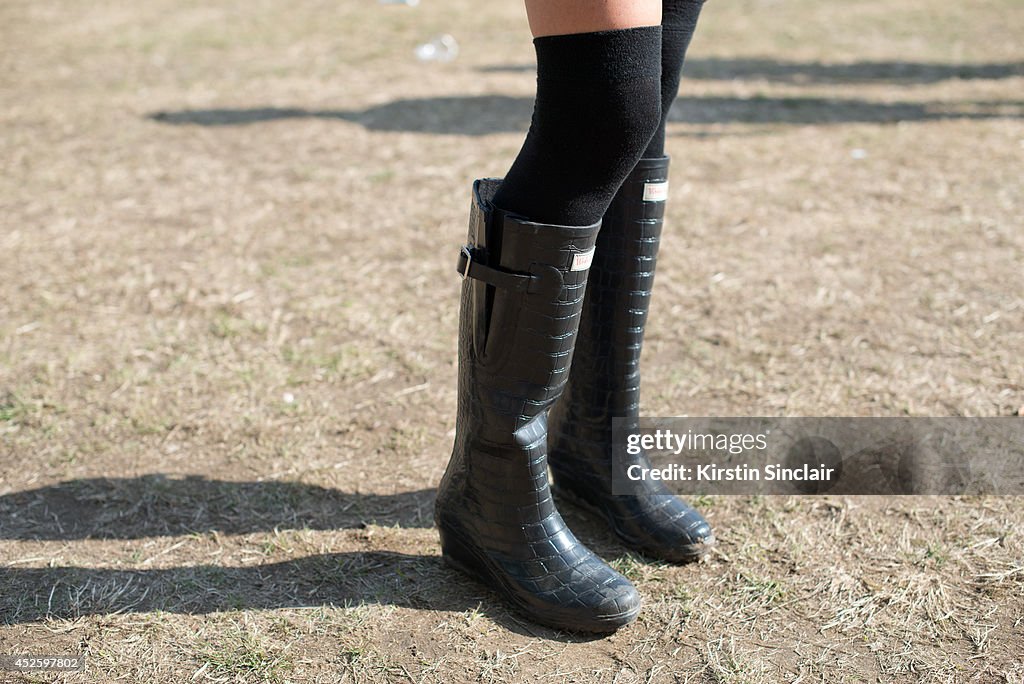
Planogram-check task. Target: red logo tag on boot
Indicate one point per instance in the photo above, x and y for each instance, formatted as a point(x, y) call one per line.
point(582, 260)
point(656, 192)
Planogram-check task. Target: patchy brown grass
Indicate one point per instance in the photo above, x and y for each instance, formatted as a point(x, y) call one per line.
point(228, 315)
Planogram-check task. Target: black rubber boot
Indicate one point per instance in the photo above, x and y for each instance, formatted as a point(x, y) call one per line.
point(521, 301)
point(604, 382)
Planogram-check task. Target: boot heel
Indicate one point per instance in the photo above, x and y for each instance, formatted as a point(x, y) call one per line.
point(460, 556)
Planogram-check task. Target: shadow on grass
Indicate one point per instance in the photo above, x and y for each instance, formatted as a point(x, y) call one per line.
point(472, 115)
point(351, 581)
point(477, 115)
point(156, 505)
point(809, 73)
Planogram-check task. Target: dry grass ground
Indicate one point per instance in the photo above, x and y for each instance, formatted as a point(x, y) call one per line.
point(228, 313)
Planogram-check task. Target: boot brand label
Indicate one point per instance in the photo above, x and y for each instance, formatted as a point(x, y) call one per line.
point(582, 260)
point(656, 192)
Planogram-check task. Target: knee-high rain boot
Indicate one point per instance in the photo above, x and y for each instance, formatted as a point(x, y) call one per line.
point(604, 381)
point(521, 299)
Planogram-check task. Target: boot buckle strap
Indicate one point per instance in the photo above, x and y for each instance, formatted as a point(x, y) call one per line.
point(472, 265)
point(465, 262)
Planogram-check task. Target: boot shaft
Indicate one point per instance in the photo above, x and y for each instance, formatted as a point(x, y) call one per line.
point(522, 295)
point(605, 381)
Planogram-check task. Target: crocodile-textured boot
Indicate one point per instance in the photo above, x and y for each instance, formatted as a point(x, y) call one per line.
point(521, 299)
point(604, 382)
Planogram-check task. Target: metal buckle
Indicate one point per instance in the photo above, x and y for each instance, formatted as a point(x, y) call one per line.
point(469, 260)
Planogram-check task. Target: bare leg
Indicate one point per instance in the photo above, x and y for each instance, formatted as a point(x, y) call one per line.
point(562, 17)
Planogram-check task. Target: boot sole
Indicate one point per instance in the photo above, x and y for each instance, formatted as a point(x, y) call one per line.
point(463, 557)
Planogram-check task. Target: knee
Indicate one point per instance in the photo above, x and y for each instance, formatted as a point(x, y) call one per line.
point(632, 119)
point(640, 117)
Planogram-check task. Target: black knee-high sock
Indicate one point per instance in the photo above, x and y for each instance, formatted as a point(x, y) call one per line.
point(678, 22)
point(598, 103)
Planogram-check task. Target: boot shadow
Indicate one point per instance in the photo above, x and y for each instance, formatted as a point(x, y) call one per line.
point(348, 580)
point(158, 505)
